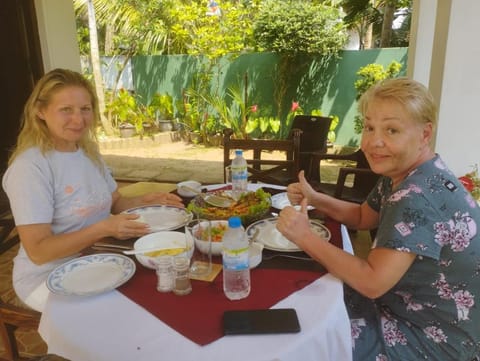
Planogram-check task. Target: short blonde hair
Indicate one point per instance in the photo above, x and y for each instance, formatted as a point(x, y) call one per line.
point(34, 131)
point(412, 95)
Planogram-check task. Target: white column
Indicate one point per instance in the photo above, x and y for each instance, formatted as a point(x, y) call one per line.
point(444, 57)
point(58, 39)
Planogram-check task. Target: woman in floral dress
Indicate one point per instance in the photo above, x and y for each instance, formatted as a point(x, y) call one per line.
point(416, 296)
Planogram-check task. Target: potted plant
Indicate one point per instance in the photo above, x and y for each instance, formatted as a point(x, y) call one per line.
point(214, 130)
point(162, 106)
point(127, 115)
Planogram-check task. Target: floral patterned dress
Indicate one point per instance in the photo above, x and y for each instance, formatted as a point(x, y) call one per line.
point(433, 312)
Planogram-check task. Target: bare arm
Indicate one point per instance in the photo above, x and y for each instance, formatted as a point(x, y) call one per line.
point(357, 216)
point(371, 277)
point(43, 246)
point(121, 203)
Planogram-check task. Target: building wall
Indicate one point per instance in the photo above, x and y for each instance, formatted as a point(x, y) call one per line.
point(58, 38)
point(318, 84)
point(444, 56)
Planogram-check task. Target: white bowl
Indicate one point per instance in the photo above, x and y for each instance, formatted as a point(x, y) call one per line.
point(163, 239)
point(191, 184)
point(255, 254)
point(202, 245)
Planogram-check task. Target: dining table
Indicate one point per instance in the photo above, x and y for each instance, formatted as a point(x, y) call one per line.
point(136, 322)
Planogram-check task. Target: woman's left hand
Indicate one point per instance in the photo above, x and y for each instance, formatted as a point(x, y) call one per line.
point(169, 199)
point(294, 224)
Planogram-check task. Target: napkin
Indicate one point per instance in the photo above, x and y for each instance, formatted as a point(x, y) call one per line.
point(216, 268)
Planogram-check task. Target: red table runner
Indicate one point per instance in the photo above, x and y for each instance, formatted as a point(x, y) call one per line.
point(198, 316)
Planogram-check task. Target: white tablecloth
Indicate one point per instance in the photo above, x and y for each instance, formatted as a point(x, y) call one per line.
point(111, 327)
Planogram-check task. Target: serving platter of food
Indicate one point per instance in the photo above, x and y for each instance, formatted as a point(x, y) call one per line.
point(250, 206)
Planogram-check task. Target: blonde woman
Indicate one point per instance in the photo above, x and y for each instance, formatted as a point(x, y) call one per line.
point(61, 193)
point(416, 296)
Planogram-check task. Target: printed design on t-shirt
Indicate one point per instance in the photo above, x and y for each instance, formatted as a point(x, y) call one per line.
point(463, 299)
point(403, 193)
point(86, 204)
point(457, 232)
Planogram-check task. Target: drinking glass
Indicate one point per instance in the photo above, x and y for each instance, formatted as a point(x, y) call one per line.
point(199, 236)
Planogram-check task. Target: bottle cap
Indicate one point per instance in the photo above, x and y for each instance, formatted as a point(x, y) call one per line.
point(234, 222)
point(238, 152)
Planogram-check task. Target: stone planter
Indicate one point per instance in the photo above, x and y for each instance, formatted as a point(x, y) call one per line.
point(195, 138)
point(215, 140)
point(165, 125)
point(127, 130)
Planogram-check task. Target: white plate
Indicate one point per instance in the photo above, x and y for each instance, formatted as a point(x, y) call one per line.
point(91, 275)
point(161, 217)
point(280, 201)
point(273, 240)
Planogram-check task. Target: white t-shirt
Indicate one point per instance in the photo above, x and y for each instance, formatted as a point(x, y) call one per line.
point(64, 189)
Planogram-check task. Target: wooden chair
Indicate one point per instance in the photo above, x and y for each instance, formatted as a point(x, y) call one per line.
point(280, 172)
point(12, 315)
point(7, 224)
point(355, 190)
point(314, 136)
point(11, 318)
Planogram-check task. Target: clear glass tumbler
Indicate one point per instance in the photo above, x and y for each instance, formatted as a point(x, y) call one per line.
point(198, 235)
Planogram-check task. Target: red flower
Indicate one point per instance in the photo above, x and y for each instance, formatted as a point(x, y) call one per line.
point(467, 183)
point(254, 108)
point(295, 106)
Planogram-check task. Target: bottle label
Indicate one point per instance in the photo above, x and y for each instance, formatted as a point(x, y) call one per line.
point(235, 252)
point(236, 259)
point(239, 173)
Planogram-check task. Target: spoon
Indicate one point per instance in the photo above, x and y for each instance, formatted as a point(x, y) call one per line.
point(159, 250)
point(214, 200)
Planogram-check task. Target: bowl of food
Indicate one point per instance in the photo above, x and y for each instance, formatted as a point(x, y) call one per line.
point(217, 229)
point(189, 188)
point(165, 243)
point(250, 207)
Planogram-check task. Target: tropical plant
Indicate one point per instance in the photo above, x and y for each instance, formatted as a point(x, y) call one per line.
point(263, 127)
point(299, 27)
point(362, 15)
point(161, 107)
point(370, 75)
point(126, 109)
point(291, 29)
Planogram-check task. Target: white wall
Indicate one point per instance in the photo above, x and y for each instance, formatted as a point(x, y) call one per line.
point(458, 139)
point(58, 39)
point(444, 56)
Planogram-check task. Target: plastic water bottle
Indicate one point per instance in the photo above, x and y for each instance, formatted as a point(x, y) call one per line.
point(236, 271)
point(239, 174)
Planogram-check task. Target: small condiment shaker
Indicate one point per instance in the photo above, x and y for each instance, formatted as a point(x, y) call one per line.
point(165, 273)
point(182, 284)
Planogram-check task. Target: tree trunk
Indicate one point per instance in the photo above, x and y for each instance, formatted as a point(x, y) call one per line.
point(97, 75)
point(109, 32)
point(388, 14)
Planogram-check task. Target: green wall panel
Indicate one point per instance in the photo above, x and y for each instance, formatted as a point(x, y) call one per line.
point(315, 82)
